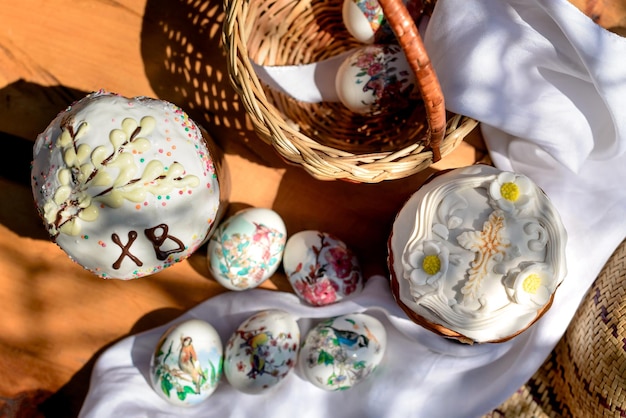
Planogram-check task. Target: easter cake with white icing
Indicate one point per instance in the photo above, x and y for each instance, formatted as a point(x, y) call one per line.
point(127, 186)
point(477, 254)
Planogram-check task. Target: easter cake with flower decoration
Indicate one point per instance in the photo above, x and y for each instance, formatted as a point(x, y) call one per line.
point(477, 254)
point(127, 186)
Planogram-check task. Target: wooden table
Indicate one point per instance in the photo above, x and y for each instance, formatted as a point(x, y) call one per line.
point(56, 317)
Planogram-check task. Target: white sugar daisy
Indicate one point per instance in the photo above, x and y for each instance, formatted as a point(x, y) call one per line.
point(510, 191)
point(531, 286)
point(428, 263)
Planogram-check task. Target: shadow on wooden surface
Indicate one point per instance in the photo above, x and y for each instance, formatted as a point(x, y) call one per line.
point(67, 402)
point(185, 64)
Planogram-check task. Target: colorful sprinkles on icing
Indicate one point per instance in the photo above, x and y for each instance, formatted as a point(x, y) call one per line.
point(86, 179)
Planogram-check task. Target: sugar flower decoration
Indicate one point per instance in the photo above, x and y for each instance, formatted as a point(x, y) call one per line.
point(510, 191)
point(531, 286)
point(429, 263)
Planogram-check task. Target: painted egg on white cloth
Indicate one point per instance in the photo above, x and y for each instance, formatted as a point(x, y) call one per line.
point(340, 352)
point(186, 365)
point(247, 248)
point(321, 268)
point(262, 351)
point(376, 79)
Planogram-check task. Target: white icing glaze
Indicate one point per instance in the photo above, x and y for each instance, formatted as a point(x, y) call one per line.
point(492, 263)
point(126, 186)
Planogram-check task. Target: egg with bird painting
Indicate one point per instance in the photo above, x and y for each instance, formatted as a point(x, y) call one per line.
point(262, 351)
point(341, 352)
point(247, 248)
point(186, 365)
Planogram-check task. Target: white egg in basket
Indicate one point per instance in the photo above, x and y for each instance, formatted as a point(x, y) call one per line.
point(376, 79)
point(186, 365)
point(362, 18)
point(341, 352)
point(247, 248)
point(321, 268)
point(366, 22)
point(262, 351)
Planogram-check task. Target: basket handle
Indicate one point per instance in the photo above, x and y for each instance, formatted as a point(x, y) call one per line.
point(409, 39)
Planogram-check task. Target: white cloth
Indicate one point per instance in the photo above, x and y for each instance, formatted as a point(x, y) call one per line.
point(549, 86)
point(407, 383)
point(309, 83)
point(536, 69)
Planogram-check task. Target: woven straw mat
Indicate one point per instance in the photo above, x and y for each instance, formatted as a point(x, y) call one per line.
point(585, 375)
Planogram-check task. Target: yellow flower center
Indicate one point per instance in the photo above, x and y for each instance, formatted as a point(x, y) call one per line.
point(431, 264)
point(509, 191)
point(531, 283)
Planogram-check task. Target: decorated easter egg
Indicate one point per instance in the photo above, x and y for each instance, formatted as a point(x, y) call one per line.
point(321, 268)
point(247, 248)
point(362, 18)
point(376, 79)
point(366, 22)
point(262, 351)
point(340, 352)
point(186, 365)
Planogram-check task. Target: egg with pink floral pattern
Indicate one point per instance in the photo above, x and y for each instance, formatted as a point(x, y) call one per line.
point(321, 268)
point(376, 79)
point(247, 248)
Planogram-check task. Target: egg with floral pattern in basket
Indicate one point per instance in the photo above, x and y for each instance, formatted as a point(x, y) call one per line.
point(366, 22)
point(376, 79)
point(321, 268)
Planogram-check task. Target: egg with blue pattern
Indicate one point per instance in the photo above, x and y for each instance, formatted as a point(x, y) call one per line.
point(341, 352)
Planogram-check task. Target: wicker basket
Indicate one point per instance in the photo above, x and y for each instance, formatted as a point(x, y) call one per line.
point(326, 139)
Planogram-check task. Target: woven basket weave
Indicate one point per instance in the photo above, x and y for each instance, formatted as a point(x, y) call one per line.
point(585, 375)
point(326, 139)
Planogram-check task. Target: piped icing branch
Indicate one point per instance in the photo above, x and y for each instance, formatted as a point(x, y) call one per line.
point(84, 167)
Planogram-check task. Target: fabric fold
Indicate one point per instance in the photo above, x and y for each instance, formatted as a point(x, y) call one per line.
point(539, 70)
